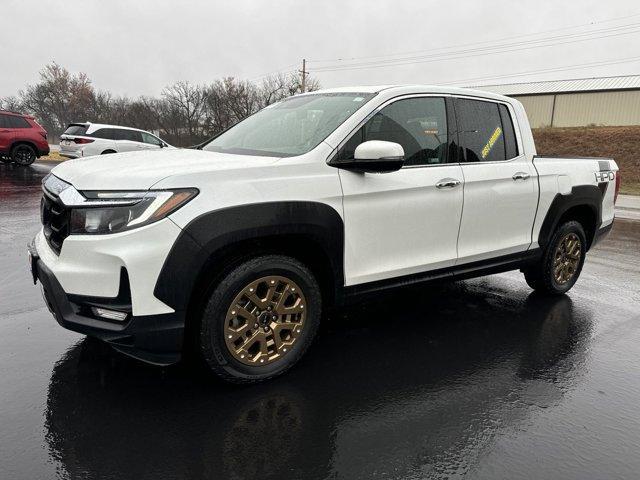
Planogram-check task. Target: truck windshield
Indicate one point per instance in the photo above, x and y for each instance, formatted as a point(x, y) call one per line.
point(291, 127)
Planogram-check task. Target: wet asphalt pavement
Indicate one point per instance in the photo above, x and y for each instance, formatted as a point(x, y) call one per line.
point(481, 379)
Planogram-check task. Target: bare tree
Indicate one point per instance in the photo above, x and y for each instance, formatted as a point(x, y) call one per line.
point(186, 102)
point(228, 101)
point(13, 104)
point(280, 86)
point(186, 114)
point(59, 97)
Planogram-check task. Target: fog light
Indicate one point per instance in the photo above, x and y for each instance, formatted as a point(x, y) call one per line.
point(109, 314)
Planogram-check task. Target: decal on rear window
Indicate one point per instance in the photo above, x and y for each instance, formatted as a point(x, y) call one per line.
point(492, 141)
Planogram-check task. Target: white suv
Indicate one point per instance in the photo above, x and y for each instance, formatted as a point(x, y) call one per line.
point(323, 198)
point(88, 139)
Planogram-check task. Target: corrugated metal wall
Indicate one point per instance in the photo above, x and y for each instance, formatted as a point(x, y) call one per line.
point(538, 108)
point(599, 108)
point(581, 109)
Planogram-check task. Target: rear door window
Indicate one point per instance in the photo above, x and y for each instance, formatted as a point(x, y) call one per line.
point(119, 134)
point(106, 133)
point(510, 143)
point(480, 131)
point(131, 135)
point(17, 122)
point(4, 123)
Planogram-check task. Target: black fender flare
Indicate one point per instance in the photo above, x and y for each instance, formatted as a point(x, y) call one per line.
point(213, 231)
point(582, 195)
point(25, 141)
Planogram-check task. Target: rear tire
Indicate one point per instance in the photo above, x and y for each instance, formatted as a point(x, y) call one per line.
point(107, 152)
point(23, 154)
point(260, 319)
point(562, 261)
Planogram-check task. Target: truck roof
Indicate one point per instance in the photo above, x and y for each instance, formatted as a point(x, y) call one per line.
point(409, 89)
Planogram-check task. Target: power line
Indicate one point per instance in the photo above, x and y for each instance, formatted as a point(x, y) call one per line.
point(545, 70)
point(481, 42)
point(589, 35)
point(486, 50)
point(472, 53)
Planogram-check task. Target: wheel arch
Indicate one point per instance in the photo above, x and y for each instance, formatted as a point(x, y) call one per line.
point(211, 244)
point(17, 143)
point(583, 204)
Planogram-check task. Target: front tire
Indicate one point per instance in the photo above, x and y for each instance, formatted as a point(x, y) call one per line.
point(23, 154)
point(260, 319)
point(562, 261)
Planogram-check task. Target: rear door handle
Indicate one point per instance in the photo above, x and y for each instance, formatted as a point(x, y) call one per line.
point(448, 183)
point(520, 176)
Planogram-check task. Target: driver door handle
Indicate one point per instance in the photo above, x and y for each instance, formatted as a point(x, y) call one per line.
point(448, 183)
point(520, 176)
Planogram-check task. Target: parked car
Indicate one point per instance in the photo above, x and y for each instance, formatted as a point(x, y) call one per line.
point(22, 139)
point(313, 202)
point(88, 139)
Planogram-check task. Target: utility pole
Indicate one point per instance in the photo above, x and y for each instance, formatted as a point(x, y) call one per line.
point(304, 74)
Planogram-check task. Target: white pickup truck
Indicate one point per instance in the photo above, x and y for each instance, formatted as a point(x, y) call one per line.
point(237, 248)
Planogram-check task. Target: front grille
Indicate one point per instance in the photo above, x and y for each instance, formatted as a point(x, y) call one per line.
point(55, 220)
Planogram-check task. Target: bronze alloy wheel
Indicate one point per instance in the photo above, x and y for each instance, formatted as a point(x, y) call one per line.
point(567, 258)
point(264, 320)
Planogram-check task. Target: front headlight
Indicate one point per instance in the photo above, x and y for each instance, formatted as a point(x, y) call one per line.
point(111, 212)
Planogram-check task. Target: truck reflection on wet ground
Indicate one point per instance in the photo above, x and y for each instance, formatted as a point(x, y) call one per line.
point(383, 390)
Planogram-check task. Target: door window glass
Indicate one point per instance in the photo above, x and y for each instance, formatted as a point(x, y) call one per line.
point(17, 122)
point(4, 123)
point(105, 133)
point(150, 139)
point(510, 144)
point(480, 131)
point(418, 124)
point(131, 135)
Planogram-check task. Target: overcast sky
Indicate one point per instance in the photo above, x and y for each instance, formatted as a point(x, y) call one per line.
point(137, 47)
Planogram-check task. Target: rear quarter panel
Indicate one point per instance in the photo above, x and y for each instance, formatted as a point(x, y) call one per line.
point(558, 176)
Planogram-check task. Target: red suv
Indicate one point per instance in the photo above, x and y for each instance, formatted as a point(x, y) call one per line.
point(22, 139)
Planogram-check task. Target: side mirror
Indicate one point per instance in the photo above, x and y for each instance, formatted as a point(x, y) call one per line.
point(375, 156)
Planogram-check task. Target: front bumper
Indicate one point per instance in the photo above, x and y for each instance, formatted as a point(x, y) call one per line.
point(117, 272)
point(90, 265)
point(154, 339)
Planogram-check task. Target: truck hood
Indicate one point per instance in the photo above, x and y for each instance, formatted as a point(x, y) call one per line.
point(142, 170)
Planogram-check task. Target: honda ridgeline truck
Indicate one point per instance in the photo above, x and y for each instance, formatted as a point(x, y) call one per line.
point(237, 248)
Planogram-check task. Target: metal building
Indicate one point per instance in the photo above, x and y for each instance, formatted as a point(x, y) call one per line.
point(577, 103)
